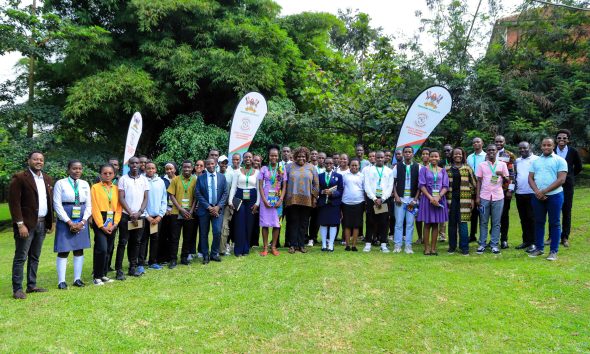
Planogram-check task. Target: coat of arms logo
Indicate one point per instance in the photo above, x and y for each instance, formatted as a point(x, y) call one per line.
point(433, 99)
point(251, 104)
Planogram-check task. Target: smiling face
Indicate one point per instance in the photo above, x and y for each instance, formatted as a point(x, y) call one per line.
point(210, 165)
point(75, 170)
point(170, 170)
point(187, 169)
point(300, 159)
point(343, 161)
point(36, 162)
point(257, 162)
point(524, 149)
point(354, 166)
point(425, 156)
point(150, 169)
point(491, 152)
point(387, 156)
point(329, 164)
point(434, 158)
point(248, 160)
point(562, 140)
point(373, 157)
point(500, 141)
point(457, 156)
point(547, 146)
point(142, 161)
point(273, 156)
point(379, 159)
point(199, 167)
point(360, 151)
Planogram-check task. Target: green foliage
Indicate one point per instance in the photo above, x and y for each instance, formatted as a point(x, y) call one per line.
point(189, 138)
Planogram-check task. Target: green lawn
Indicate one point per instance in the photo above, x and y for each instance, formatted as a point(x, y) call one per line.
point(316, 303)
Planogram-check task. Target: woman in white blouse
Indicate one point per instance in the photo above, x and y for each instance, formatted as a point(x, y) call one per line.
point(353, 204)
point(244, 187)
point(72, 204)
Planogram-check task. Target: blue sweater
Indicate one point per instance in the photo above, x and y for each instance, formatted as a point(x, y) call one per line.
point(157, 197)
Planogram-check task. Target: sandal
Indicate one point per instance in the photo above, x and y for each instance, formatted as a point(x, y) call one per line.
point(264, 252)
point(274, 251)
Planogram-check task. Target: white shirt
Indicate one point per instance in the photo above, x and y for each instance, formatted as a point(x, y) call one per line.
point(239, 181)
point(562, 153)
point(211, 187)
point(343, 172)
point(41, 192)
point(474, 160)
point(374, 181)
point(354, 192)
point(134, 189)
point(523, 167)
point(63, 192)
point(407, 182)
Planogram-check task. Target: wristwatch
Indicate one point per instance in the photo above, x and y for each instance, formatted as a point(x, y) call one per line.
point(20, 223)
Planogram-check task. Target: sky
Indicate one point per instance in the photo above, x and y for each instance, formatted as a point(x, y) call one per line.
point(396, 17)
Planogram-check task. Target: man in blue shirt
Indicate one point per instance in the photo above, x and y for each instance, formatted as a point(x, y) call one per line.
point(546, 177)
point(154, 213)
point(478, 156)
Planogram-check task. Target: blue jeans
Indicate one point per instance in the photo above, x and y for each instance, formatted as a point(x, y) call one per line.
point(455, 224)
point(491, 209)
point(400, 215)
point(215, 222)
point(552, 206)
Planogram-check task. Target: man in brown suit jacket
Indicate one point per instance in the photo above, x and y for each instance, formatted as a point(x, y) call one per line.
point(30, 202)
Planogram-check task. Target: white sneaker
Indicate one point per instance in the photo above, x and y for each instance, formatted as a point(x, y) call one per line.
point(227, 250)
point(310, 243)
point(343, 243)
point(384, 248)
point(409, 250)
point(200, 255)
point(367, 247)
point(106, 280)
point(97, 282)
point(189, 257)
point(390, 237)
point(397, 249)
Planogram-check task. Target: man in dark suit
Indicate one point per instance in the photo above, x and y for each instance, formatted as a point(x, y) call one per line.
point(574, 167)
point(30, 203)
point(212, 195)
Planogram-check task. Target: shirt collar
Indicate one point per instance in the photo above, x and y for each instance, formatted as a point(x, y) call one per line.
point(40, 176)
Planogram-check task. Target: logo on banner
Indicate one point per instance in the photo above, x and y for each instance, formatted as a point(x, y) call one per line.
point(421, 119)
point(433, 99)
point(245, 124)
point(251, 104)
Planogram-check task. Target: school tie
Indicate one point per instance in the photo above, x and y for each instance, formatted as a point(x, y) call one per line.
point(76, 195)
point(213, 194)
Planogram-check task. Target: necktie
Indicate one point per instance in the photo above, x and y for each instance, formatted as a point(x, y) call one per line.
point(213, 194)
point(76, 195)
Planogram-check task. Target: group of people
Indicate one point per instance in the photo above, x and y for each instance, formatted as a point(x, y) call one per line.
point(374, 199)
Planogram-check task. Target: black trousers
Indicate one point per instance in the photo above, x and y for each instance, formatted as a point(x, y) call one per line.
point(369, 223)
point(505, 220)
point(379, 224)
point(102, 243)
point(298, 224)
point(390, 205)
point(187, 227)
point(130, 239)
point(287, 213)
point(151, 241)
point(164, 238)
point(474, 219)
point(27, 250)
point(314, 226)
point(566, 210)
point(193, 245)
point(527, 217)
point(110, 251)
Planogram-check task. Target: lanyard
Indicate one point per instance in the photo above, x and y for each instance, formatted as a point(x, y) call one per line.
point(327, 178)
point(474, 163)
point(109, 194)
point(185, 185)
point(273, 175)
point(248, 176)
point(76, 193)
point(493, 167)
point(434, 173)
point(408, 169)
point(379, 173)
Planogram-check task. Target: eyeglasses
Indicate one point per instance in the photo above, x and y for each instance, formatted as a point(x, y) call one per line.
point(561, 138)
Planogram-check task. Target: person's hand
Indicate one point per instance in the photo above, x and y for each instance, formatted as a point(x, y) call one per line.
point(279, 203)
point(266, 204)
point(254, 209)
point(378, 202)
point(150, 219)
point(185, 214)
point(231, 206)
point(108, 230)
point(398, 200)
point(500, 173)
point(472, 204)
point(329, 191)
point(168, 212)
point(540, 195)
point(477, 201)
point(435, 201)
point(23, 232)
point(509, 194)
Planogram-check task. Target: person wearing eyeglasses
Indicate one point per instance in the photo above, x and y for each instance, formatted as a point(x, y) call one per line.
point(574, 165)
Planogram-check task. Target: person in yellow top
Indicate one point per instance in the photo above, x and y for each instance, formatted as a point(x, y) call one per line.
point(181, 192)
point(106, 213)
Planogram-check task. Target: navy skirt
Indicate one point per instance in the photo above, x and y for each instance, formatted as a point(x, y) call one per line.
point(65, 241)
point(329, 215)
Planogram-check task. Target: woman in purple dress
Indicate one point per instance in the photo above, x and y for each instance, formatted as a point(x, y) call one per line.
point(271, 184)
point(434, 183)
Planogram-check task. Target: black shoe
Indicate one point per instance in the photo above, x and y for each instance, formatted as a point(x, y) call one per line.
point(354, 249)
point(205, 259)
point(120, 275)
point(132, 272)
point(185, 261)
point(172, 265)
point(347, 248)
point(62, 286)
point(324, 249)
point(504, 245)
point(215, 259)
point(531, 249)
point(79, 283)
point(111, 269)
point(472, 239)
point(451, 250)
point(522, 246)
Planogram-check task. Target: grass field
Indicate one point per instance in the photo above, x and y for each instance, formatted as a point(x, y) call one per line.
point(316, 302)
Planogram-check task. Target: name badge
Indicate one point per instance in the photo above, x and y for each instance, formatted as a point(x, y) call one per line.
point(504, 158)
point(109, 219)
point(76, 212)
point(272, 194)
point(379, 192)
point(494, 179)
point(435, 192)
point(272, 201)
point(407, 193)
point(246, 194)
point(184, 203)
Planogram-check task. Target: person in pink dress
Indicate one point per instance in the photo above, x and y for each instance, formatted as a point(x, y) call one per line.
point(272, 184)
